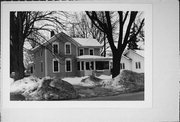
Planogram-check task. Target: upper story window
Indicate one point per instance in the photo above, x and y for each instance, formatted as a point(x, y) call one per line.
point(91, 51)
point(55, 48)
point(138, 65)
point(81, 51)
point(67, 48)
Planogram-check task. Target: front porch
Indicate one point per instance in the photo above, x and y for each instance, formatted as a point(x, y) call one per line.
point(91, 64)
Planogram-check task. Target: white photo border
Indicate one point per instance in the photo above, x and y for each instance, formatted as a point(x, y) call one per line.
point(78, 6)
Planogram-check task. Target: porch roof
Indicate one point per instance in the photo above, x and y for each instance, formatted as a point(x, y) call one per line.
point(93, 57)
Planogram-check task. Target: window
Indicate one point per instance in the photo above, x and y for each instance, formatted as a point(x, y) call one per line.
point(122, 65)
point(68, 65)
point(31, 69)
point(138, 65)
point(55, 48)
point(67, 48)
point(55, 65)
point(78, 65)
point(91, 51)
point(41, 66)
point(82, 65)
point(92, 65)
point(87, 66)
point(81, 51)
point(102, 65)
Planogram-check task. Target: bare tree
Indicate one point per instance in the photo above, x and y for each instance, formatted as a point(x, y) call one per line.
point(24, 25)
point(124, 36)
point(83, 27)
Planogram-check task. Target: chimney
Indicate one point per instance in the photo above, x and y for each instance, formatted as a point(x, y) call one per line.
point(52, 33)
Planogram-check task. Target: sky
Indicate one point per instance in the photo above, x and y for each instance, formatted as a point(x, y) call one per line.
point(71, 19)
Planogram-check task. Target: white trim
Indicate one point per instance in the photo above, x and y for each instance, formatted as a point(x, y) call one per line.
point(79, 51)
point(41, 66)
point(68, 59)
point(41, 52)
point(76, 51)
point(45, 56)
point(55, 43)
point(55, 59)
point(91, 49)
point(67, 43)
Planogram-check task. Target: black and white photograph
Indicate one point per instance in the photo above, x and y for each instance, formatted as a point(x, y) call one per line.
point(66, 60)
point(84, 55)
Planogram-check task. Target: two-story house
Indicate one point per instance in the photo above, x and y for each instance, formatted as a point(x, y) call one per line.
point(63, 56)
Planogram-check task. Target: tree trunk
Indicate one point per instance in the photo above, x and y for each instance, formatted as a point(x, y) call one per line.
point(18, 64)
point(116, 65)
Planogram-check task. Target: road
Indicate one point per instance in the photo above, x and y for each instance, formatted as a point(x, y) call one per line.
point(123, 97)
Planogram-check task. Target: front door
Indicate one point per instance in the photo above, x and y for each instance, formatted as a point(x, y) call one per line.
point(88, 68)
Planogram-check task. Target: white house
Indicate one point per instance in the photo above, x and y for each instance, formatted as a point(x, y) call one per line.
point(133, 60)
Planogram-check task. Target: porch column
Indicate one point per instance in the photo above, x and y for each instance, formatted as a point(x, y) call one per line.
point(80, 65)
point(94, 65)
point(109, 65)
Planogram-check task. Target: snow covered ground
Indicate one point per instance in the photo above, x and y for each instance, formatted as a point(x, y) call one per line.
point(29, 83)
point(77, 80)
point(74, 80)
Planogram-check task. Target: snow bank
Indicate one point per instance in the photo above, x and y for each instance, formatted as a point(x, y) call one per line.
point(105, 76)
point(53, 89)
point(74, 80)
point(86, 80)
point(126, 80)
point(32, 88)
point(24, 86)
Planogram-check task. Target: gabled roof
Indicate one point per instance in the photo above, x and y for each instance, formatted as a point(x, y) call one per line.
point(126, 57)
point(81, 42)
point(86, 42)
point(48, 42)
point(138, 52)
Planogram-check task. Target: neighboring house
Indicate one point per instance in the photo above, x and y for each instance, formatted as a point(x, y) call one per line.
point(133, 60)
point(67, 57)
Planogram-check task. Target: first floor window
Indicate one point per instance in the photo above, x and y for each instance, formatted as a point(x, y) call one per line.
point(55, 65)
point(122, 65)
point(41, 66)
point(82, 65)
point(92, 65)
point(68, 65)
point(78, 65)
point(138, 65)
point(87, 66)
point(102, 65)
point(31, 69)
